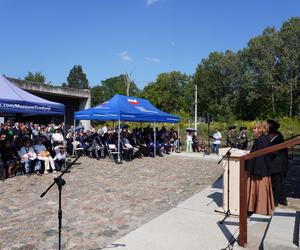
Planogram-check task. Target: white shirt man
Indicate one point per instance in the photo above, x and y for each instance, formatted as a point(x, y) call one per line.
point(217, 141)
point(104, 129)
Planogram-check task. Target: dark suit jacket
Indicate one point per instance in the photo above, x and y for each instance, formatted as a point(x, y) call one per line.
point(279, 159)
point(260, 166)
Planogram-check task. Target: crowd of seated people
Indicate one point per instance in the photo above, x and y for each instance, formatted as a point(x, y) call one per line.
point(27, 148)
point(133, 144)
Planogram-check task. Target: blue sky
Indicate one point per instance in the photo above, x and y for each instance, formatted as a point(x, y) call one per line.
point(140, 37)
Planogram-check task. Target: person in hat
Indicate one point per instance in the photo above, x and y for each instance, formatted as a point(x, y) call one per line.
point(232, 138)
point(243, 138)
point(279, 163)
point(227, 136)
point(273, 126)
point(29, 158)
point(57, 137)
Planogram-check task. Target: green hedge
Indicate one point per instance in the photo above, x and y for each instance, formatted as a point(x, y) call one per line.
point(288, 127)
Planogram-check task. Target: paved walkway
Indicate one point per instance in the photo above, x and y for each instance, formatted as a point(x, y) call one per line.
point(148, 204)
point(102, 201)
point(194, 223)
point(191, 225)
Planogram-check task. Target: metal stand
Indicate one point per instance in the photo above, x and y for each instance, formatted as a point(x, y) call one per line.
point(178, 147)
point(178, 150)
point(118, 160)
point(227, 213)
point(60, 183)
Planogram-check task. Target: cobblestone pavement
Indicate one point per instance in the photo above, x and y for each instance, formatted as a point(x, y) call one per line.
point(101, 201)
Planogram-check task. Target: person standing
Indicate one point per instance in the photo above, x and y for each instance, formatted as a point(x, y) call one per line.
point(217, 136)
point(243, 138)
point(279, 163)
point(232, 138)
point(189, 141)
point(259, 188)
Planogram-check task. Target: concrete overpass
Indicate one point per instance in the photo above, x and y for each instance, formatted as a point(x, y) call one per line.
point(73, 99)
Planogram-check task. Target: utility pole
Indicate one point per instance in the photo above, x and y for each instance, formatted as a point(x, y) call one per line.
point(196, 104)
point(127, 82)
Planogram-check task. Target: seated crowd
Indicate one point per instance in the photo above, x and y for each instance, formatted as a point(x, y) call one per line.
point(30, 148)
point(133, 144)
point(27, 148)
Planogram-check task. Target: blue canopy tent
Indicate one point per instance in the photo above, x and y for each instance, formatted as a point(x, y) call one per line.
point(126, 108)
point(16, 100)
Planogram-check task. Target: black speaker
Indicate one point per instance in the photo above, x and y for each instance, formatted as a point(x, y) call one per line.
point(208, 118)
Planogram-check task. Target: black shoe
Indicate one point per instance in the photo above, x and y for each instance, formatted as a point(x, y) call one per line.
point(284, 202)
point(249, 213)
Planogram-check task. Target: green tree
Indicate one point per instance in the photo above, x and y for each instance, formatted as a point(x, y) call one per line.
point(261, 60)
point(77, 79)
point(217, 78)
point(171, 92)
point(289, 61)
point(35, 77)
point(259, 81)
point(98, 95)
point(111, 86)
point(118, 85)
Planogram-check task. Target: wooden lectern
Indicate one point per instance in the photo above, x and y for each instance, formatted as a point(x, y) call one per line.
point(234, 179)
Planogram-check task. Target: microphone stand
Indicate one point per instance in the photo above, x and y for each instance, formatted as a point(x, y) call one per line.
point(60, 183)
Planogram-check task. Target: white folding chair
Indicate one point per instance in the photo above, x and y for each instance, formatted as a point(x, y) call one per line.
point(77, 150)
point(112, 151)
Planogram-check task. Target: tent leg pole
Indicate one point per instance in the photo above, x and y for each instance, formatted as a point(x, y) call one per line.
point(154, 153)
point(119, 159)
point(178, 135)
point(65, 124)
point(74, 124)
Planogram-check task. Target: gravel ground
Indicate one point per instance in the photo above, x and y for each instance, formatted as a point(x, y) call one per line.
point(101, 201)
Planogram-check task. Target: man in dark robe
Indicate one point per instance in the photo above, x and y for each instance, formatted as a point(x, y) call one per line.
point(279, 163)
